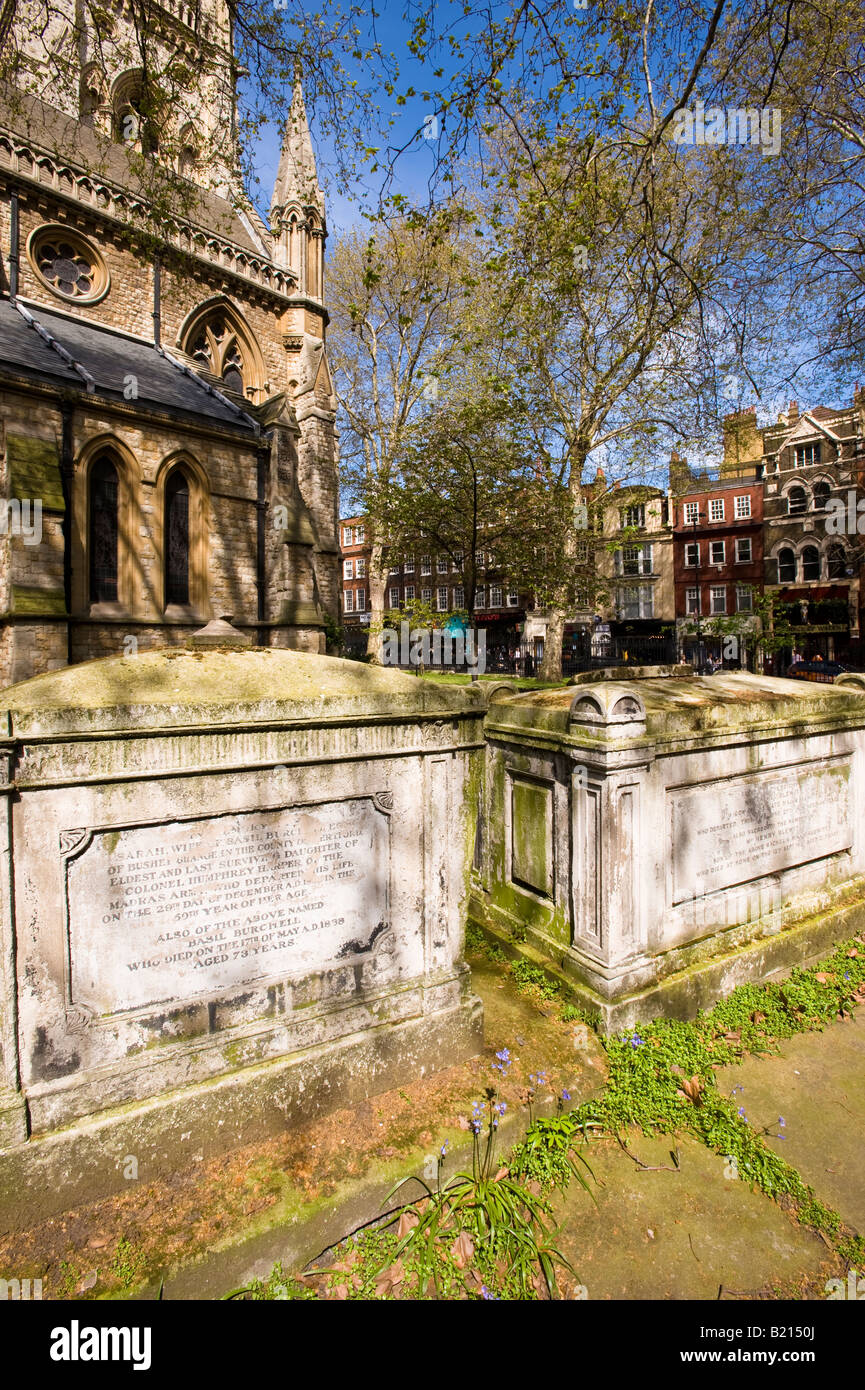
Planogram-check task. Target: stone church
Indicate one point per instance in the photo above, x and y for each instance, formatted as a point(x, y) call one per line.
point(168, 451)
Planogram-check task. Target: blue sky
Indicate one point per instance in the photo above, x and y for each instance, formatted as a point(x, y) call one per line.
point(415, 166)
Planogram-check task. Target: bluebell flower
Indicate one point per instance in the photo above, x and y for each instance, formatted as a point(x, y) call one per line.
point(445, 1147)
point(636, 1041)
point(487, 1296)
point(566, 1095)
point(781, 1121)
point(741, 1111)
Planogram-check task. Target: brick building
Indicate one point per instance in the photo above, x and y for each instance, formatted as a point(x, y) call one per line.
point(165, 392)
point(717, 556)
point(810, 462)
point(436, 581)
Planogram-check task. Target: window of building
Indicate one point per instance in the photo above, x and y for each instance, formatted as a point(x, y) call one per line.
point(442, 600)
point(346, 535)
point(348, 569)
point(742, 507)
point(719, 598)
point(177, 539)
point(426, 595)
point(67, 263)
point(393, 569)
point(425, 564)
point(513, 599)
point(821, 493)
point(692, 554)
point(716, 552)
point(632, 516)
point(459, 558)
point(786, 566)
point(806, 455)
point(692, 513)
point(459, 597)
point(716, 509)
point(223, 346)
point(496, 596)
point(360, 600)
point(836, 562)
point(349, 600)
point(103, 551)
point(409, 593)
point(480, 597)
point(441, 564)
point(797, 501)
point(692, 601)
point(634, 559)
point(810, 562)
point(744, 598)
point(743, 550)
point(359, 535)
point(360, 567)
point(393, 595)
point(408, 566)
point(635, 601)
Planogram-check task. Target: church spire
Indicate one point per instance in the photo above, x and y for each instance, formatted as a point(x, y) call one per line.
point(297, 207)
point(297, 179)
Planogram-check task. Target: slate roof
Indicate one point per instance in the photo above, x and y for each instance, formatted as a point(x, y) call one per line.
point(110, 358)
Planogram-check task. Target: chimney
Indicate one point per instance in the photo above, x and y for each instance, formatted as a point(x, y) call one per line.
point(792, 412)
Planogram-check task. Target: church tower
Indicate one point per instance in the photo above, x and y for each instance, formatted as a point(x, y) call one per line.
point(168, 449)
point(297, 207)
point(157, 76)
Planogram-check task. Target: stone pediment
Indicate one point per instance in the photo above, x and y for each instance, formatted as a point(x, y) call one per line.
point(807, 428)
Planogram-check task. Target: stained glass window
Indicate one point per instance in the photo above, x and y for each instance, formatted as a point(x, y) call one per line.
point(177, 539)
point(103, 532)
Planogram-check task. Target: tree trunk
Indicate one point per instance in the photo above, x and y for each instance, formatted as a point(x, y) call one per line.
point(551, 665)
point(377, 588)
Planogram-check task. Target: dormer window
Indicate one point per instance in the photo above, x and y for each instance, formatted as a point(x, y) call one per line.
point(806, 455)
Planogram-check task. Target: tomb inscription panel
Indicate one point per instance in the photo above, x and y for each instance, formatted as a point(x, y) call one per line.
point(174, 911)
point(731, 832)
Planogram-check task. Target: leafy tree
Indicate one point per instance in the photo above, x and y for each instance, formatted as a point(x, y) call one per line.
point(395, 298)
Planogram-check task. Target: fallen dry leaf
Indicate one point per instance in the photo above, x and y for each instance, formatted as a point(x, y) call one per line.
point(822, 977)
point(463, 1250)
point(406, 1223)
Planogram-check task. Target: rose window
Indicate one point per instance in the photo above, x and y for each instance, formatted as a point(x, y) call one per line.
point(68, 264)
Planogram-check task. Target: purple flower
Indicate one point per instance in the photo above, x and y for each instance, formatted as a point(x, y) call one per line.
point(741, 1111)
point(503, 1061)
point(566, 1095)
point(487, 1296)
point(781, 1121)
point(636, 1041)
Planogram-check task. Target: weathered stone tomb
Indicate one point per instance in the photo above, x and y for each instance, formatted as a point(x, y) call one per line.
point(233, 895)
point(663, 839)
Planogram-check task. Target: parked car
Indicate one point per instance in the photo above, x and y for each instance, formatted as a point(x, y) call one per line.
point(824, 671)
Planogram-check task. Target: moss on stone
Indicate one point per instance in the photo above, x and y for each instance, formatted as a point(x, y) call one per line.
point(34, 470)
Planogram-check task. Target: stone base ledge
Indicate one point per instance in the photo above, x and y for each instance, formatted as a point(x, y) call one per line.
point(86, 1161)
point(686, 992)
point(13, 1119)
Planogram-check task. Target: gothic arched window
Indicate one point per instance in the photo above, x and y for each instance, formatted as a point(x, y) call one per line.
point(797, 501)
point(810, 562)
point(786, 566)
point(822, 492)
point(222, 345)
point(836, 561)
point(177, 539)
point(103, 514)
